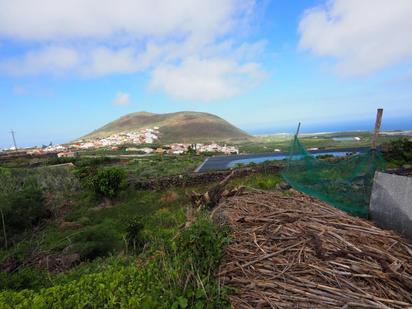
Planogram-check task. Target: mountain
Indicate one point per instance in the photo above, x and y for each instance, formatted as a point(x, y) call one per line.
point(182, 127)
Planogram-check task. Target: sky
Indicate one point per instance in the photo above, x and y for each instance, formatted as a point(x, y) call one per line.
point(68, 67)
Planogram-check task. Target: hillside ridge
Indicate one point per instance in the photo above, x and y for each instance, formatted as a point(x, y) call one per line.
point(184, 126)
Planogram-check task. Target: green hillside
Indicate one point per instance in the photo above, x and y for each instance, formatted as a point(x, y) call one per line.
point(175, 127)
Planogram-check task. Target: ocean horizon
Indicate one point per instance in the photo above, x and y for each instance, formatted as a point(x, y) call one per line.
point(392, 124)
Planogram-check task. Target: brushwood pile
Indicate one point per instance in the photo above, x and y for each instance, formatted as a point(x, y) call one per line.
point(290, 250)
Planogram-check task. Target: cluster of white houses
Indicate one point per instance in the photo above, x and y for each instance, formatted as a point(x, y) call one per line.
point(144, 137)
point(178, 148)
point(202, 148)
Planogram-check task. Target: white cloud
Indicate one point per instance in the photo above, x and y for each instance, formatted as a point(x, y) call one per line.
point(100, 37)
point(102, 61)
point(51, 19)
point(50, 59)
point(363, 36)
point(122, 98)
point(206, 80)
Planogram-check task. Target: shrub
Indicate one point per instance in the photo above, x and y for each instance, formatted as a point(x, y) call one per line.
point(202, 245)
point(57, 160)
point(95, 162)
point(24, 278)
point(398, 152)
point(21, 210)
point(107, 182)
point(116, 287)
point(96, 241)
point(83, 172)
point(266, 183)
point(174, 278)
point(134, 236)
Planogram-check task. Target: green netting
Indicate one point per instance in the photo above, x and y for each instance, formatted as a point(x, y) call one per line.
point(345, 183)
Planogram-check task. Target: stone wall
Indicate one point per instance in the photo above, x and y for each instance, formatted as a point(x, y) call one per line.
point(391, 203)
point(193, 179)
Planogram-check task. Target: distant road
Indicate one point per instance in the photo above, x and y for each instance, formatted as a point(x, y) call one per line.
point(222, 162)
point(120, 156)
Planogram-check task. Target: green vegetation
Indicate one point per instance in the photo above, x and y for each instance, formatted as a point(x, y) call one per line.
point(129, 253)
point(178, 273)
point(344, 183)
point(258, 181)
point(165, 165)
point(62, 247)
point(23, 201)
point(398, 152)
point(134, 234)
point(106, 182)
point(20, 212)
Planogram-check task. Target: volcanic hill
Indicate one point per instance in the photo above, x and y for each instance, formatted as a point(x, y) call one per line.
point(184, 127)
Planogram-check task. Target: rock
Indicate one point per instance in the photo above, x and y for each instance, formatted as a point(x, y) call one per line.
point(67, 250)
point(58, 262)
point(65, 225)
point(49, 262)
point(283, 186)
point(70, 260)
point(9, 264)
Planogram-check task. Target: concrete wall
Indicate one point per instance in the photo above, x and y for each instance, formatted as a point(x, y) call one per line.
point(391, 203)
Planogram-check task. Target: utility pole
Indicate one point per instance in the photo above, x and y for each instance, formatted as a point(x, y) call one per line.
point(14, 140)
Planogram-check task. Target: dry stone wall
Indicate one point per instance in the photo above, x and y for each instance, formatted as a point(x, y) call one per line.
point(194, 179)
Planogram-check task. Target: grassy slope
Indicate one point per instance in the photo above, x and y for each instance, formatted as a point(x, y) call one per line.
point(160, 277)
point(175, 127)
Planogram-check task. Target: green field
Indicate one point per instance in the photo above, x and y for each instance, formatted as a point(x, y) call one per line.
point(79, 236)
point(127, 248)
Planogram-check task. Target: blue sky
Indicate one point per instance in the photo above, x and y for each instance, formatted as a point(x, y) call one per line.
point(69, 67)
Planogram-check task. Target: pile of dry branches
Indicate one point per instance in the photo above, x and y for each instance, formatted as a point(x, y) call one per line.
point(292, 251)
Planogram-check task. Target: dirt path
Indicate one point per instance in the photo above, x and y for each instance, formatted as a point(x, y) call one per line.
point(297, 252)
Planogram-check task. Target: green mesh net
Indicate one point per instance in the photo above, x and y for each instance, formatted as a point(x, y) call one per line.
point(345, 183)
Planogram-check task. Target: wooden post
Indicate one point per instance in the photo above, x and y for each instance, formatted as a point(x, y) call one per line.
point(378, 123)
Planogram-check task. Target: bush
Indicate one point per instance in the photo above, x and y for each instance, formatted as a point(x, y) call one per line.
point(134, 236)
point(202, 245)
point(116, 287)
point(96, 241)
point(170, 278)
point(398, 152)
point(84, 172)
point(24, 278)
point(95, 162)
point(107, 182)
point(266, 183)
point(57, 160)
point(21, 210)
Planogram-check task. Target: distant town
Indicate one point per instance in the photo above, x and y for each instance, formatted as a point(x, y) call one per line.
point(147, 139)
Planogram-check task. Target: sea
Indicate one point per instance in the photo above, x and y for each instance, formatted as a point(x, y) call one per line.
point(391, 124)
